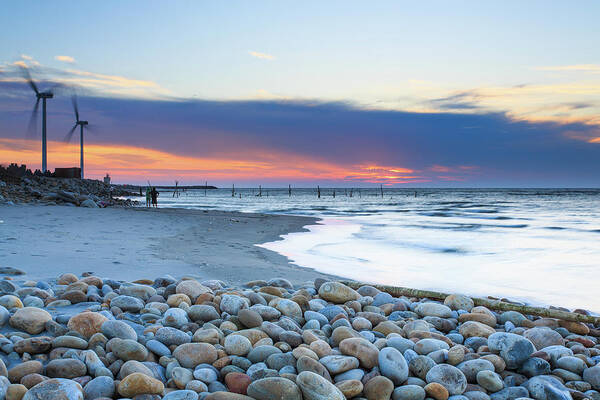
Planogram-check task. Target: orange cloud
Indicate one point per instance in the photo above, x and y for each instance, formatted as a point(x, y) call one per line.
point(135, 164)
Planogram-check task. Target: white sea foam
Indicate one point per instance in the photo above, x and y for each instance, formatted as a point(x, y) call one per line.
point(540, 246)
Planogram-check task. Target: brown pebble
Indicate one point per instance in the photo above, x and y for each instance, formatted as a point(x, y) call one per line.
point(15, 392)
point(437, 391)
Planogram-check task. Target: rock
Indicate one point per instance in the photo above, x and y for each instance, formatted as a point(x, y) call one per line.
point(237, 345)
point(546, 387)
point(250, 318)
point(490, 381)
point(192, 289)
point(273, 389)
point(170, 336)
point(350, 388)
point(15, 392)
point(232, 304)
point(86, 323)
point(362, 349)
point(337, 293)
point(514, 349)
point(137, 383)
point(35, 345)
point(429, 345)
point(65, 368)
point(237, 382)
point(117, 329)
point(16, 373)
point(190, 355)
point(436, 391)
point(433, 310)
point(543, 337)
point(30, 319)
point(315, 387)
point(182, 376)
point(127, 303)
point(10, 301)
point(88, 204)
point(143, 292)
point(133, 366)
point(127, 349)
point(378, 388)
point(475, 329)
point(459, 302)
point(54, 389)
point(534, 366)
point(420, 366)
point(206, 375)
point(102, 386)
point(338, 364)
point(203, 313)
point(226, 396)
point(10, 271)
point(592, 376)
point(393, 365)
point(448, 376)
point(181, 395)
point(409, 392)
point(471, 368)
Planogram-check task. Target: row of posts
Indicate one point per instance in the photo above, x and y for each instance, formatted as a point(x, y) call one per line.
point(348, 193)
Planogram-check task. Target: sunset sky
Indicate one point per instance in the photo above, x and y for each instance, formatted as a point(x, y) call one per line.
point(337, 93)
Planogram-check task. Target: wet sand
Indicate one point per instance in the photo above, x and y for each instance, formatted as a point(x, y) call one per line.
point(130, 244)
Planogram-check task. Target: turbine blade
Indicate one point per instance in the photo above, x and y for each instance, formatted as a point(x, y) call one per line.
point(32, 126)
point(70, 134)
point(92, 128)
point(75, 108)
point(30, 81)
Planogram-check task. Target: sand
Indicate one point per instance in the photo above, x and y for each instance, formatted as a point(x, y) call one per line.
point(135, 243)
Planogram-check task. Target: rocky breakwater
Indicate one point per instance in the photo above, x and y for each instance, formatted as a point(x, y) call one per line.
point(71, 192)
point(95, 338)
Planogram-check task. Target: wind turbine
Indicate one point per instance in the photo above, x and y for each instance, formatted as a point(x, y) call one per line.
point(32, 121)
point(81, 124)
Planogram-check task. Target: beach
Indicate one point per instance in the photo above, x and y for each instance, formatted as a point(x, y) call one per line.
point(136, 243)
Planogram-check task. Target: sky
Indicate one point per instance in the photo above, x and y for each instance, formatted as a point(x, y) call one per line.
point(337, 93)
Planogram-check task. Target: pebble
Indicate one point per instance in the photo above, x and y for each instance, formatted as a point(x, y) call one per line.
point(30, 319)
point(58, 388)
point(448, 376)
point(315, 387)
point(274, 388)
point(191, 340)
point(138, 384)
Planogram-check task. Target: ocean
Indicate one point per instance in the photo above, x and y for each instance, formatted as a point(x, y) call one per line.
point(539, 246)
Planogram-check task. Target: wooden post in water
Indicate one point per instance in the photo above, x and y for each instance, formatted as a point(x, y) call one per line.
point(350, 192)
point(381, 187)
point(359, 194)
point(290, 190)
point(318, 192)
point(205, 186)
point(334, 193)
point(233, 190)
point(259, 191)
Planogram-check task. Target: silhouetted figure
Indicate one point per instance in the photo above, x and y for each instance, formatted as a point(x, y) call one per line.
point(154, 195)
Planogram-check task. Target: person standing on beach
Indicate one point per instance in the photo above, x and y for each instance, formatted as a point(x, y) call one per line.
point(148, 197)
point(154, 194)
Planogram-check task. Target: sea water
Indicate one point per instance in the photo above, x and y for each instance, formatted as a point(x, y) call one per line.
point(541, 246)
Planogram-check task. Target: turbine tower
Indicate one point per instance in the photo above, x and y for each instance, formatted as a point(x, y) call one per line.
point(32, 121)
point(81, 124)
